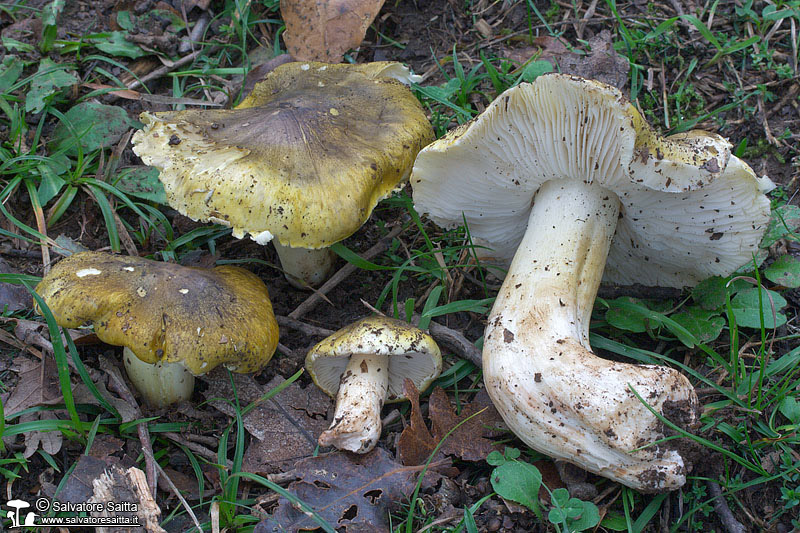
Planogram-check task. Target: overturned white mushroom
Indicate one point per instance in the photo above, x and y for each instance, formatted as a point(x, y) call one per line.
point(554, 170)
point(364, 365)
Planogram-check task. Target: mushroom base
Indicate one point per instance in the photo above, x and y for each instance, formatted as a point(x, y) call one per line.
point(304, 267)
point(356, 423)
point(551, 390)
point(160, 384)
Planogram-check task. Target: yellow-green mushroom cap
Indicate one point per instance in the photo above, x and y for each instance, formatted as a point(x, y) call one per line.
point(305, 158)
point(165, 312)
point(412, 354)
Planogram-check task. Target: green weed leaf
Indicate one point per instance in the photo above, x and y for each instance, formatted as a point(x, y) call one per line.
point(790, 408)
point(519, 482)
point(704, 325)
point(95, 125)
point(50, 184)
point(495, 458)
point(711, 293)
point(49, 79)
point(784, 271)
point(746, 309)
point(536, 69)
point(785, 219)
point(116, 45)
point(10, 70)
point(142, 182)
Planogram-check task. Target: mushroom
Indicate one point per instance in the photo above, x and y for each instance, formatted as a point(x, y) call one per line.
point(364, 365)
point(565, 172)
point(175, 322)
point(304, 158)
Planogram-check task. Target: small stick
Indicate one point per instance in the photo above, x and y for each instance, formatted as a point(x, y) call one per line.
point(455, 341)
point(379, 247)
point(157, 73)
point(144, 435)
point(302, 327)
point(199, 449)
point(723, 511)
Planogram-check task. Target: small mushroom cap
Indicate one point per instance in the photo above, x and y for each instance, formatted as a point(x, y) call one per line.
point(412, 354)
point(304, 158)
point(166, 312)
point(689, 209)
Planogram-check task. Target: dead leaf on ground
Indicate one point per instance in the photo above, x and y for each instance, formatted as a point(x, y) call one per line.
point(38, 385)
point(471, 441)
point(416, 443)
point(351, 492)
point(602, 63)
point(323, 30)
point(284, 428)
point(78, 486)
point(474, 439)
point(13, 297)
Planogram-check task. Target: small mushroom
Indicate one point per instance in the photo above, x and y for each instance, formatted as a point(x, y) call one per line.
point(364, 365)
point(175, 322)
point(303, 159)
point(565, 176)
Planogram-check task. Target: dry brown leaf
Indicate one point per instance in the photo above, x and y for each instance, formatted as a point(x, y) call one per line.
point(13, 297)
point(472, 440)
point(323, 30)
point(37, 385)
point(602, 63)
point(416, 443)
point(285, 428)
point(353, 493)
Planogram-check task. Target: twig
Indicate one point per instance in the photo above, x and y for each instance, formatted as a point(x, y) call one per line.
point(148, 454)
point(157, 73)
point(379, 247)
point(454, 340)
point(302, 327)
point(197, 448)
point(729, 521)
point(121, 387)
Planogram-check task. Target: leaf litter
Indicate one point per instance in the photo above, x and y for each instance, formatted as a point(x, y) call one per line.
point(353, 493)
point(469, 435)
point(284, 428)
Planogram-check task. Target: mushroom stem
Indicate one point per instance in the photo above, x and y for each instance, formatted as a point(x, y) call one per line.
point(160, 384)
point(362, 390)
point(551, 390)
point(302, 264)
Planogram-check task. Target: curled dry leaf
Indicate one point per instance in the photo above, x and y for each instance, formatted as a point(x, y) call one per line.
point(471, 441)
point(602, 63)
point(284, 428)
point(416, 443)
point(37, 385)
point(353, 493)
point(323, 30)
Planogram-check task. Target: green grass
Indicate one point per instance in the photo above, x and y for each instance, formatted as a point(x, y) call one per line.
point(720, 66)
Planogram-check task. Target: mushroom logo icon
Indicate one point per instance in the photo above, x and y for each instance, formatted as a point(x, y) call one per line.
point(14, 515)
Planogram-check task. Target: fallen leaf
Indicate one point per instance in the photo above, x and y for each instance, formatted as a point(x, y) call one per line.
point(602, 63)
point(353, 493)
point(285, 428)
point(78, 486)
point(416, 443)
point(472, 440)
point(37, 385)
point(323, 30)
point(12, 297)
